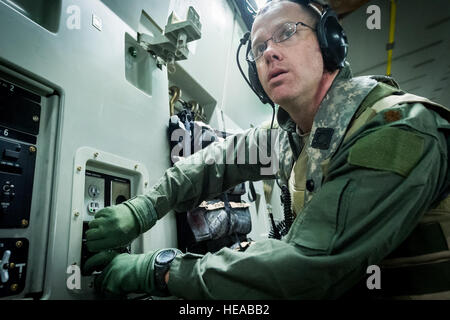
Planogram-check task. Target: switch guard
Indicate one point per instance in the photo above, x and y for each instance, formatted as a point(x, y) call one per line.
point(13, 265)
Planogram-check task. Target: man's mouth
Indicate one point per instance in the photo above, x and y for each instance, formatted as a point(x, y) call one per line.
point(276, 74)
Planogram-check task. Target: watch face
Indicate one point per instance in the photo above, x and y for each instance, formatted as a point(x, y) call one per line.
point(165, 256)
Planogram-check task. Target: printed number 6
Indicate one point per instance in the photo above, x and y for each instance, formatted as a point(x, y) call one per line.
point(5, 132)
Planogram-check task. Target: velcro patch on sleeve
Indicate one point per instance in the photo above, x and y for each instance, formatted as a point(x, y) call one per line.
point(390, 149)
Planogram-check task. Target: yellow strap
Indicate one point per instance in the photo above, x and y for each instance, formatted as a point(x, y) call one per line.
point(391, 36)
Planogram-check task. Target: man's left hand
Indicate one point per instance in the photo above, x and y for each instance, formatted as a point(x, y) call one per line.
point(124, 273)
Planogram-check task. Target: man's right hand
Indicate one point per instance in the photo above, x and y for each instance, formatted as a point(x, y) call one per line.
point(112, 227)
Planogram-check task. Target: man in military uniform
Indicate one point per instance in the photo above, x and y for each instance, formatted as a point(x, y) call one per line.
point(364, 163)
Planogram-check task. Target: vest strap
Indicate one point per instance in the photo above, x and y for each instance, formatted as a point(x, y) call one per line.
point(393, 100)
point(416, 280)
point(425, 239)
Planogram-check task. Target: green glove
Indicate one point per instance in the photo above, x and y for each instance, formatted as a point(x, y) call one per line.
point(116, 226)
point(124, 273)
point(112, 227)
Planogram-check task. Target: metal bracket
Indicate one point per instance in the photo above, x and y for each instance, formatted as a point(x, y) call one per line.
point(172, 45)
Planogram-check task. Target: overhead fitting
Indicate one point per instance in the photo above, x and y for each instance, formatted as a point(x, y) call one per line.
point(172, 45)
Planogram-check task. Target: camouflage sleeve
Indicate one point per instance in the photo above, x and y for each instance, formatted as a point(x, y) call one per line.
point(358, 217)
point(209, 172)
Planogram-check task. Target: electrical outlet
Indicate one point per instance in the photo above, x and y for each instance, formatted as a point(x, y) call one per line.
point(120, 191)
point(94, 195)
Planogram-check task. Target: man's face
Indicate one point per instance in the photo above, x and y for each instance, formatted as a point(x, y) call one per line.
point(290, 72)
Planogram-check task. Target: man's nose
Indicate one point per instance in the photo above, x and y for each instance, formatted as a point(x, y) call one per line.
point(272, 52)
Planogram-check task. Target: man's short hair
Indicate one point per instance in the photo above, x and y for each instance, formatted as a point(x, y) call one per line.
point(313, 14)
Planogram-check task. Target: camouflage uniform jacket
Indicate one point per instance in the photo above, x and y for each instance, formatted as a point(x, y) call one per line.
point(369, 191)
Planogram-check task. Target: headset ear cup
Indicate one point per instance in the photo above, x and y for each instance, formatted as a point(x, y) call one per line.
point(332, 40)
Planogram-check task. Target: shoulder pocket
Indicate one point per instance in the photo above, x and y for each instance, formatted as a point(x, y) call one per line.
point(322, 220)
point(391, 149)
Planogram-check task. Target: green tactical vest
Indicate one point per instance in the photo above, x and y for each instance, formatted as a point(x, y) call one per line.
point(413, 270)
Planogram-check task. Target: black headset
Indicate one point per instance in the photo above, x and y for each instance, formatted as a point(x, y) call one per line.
point(332, 41)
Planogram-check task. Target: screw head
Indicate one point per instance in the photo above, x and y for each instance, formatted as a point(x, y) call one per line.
point(19, 243)
point(35, 118)
point(14, 287)
point(24, 223)
point(32, 149)
point(76, 214)
point(79, 168)
point(135, 166)
point(96, 154)
point(11, 265)
point(132, 51)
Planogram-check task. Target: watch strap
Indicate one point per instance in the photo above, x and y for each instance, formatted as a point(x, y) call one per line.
point(162, 262)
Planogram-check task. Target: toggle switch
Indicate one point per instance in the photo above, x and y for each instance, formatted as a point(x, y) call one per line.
point(10, 154)
point(4, 266)
point(8, 190)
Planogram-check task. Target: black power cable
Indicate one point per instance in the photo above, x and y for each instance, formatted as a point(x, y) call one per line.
point(281, 228)
point(243, 42)
point(288, 216)
point(274, 232)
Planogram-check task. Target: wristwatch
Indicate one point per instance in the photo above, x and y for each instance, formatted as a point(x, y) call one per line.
point(162, 264)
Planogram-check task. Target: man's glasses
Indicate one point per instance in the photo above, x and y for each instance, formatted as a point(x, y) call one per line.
point(283, 33)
